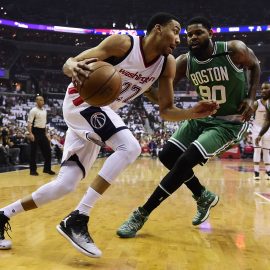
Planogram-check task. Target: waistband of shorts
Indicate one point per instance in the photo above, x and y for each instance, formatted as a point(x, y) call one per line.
point(235, 118)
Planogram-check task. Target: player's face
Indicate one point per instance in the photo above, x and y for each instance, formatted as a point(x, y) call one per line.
point(265, 92)
point(198, 38)
point(170, 39)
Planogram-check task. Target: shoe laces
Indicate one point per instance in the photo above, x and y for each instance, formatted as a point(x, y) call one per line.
point(202, 202)
point(5, 228)
point(135, 222)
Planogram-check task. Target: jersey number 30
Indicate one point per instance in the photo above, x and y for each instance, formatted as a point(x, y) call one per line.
point(216, 92)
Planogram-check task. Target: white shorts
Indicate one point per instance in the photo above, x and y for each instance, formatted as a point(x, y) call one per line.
point(265, 141)
point(88, 128)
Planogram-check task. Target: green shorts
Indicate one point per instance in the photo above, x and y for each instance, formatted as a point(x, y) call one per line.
point(211, 136)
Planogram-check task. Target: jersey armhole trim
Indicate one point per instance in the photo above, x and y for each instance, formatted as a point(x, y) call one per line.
point(188, 65)
point(230, 60)
point(114, 60)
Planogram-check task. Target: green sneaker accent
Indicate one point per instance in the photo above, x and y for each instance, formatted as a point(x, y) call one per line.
point(134, 223)
point(207, 200)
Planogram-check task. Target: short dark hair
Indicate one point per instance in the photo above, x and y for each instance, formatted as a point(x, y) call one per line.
point(161, 18)
point(200, 20)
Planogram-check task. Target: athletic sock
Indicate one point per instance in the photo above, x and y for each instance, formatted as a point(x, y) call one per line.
point(13, 209)
point(88, 201)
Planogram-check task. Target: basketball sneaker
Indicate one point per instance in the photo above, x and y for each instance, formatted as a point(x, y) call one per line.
point(74, 229)
point(267, 176)
point(134, 223)
point(207, 200)
point(4, 227)
point(256, 176)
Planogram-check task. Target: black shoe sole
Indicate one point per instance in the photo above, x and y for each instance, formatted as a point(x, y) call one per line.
point(80, 249)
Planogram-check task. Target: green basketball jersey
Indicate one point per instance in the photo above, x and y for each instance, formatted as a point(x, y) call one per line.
point(218, 79)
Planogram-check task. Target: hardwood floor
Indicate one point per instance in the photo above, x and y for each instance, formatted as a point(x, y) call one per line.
point(236, 236)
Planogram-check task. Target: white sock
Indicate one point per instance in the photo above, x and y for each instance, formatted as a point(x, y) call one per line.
point(13, 209)
point(88, 201)
point(256, 168)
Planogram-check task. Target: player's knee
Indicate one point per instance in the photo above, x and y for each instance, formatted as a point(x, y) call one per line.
point(169, 155)
point(130, 151)
point(134, 150)
point(164, 158)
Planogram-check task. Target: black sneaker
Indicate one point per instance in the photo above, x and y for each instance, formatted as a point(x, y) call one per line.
point(267, 175)
point(74, 229)
point(256, 176)
point(34, 173)
point(50, 172)
point(4, 227)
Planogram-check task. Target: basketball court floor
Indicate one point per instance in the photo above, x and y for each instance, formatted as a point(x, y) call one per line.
point(236, 236)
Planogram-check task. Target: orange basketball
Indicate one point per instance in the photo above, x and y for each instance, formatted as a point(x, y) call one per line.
point(102, 86)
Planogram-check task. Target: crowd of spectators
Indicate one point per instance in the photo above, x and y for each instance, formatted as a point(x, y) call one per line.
point(117, 13)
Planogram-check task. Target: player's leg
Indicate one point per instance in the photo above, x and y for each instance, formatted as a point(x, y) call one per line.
point(126, 150)
point(67, 180)
point(177, 158)
point(169, 155)
point(181, 172)
point(74, 227)
point(256, 155)
point(266, 155)
point(185, 135)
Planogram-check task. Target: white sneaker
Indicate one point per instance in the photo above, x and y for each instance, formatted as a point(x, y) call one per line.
point(4, 227)
point(5, 244)
point(74, 229)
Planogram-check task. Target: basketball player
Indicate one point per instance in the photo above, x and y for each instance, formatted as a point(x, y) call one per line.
point(264, 144)
point(140, 61)
point(216, 71)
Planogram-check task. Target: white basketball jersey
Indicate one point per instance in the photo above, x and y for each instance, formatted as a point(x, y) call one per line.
point(137, 76)
point(260, 114)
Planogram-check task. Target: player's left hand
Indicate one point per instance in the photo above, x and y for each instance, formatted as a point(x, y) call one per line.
point(81, 70)
point(247, 109)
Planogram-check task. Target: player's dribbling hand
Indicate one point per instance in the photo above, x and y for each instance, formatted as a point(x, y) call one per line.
point(247, 109)
point(81, 70)
point(204, 108)
point(257, 140)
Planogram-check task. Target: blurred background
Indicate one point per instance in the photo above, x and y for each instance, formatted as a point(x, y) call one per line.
point(36, 38)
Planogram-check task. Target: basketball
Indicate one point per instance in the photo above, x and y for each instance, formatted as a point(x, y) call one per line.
point(102, 86)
